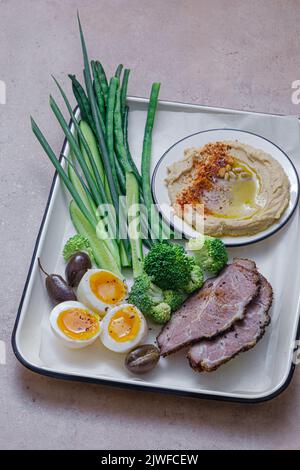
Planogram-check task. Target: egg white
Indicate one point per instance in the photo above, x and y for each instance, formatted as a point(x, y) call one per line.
point(87, 297)
point(69, 342)
point(122, 347)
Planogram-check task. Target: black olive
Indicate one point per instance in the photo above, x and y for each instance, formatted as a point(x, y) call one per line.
point(142, 359)
point(58, 289)
point(76, 268)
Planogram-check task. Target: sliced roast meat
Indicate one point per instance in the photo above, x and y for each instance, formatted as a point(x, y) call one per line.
point(211, 310)
point(246, 263)
point(209, 355)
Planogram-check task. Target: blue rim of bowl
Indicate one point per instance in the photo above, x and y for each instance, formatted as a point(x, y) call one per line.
point(245, 243)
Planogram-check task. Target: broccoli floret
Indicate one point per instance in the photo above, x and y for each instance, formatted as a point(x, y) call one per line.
point(197, 278)
point(174, 298)
point(149, 299)
point(168, 265)
point(209, 253)
point(77, 243)
point(161, 313)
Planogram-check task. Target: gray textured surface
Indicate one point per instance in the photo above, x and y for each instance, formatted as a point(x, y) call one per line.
point(222, 52)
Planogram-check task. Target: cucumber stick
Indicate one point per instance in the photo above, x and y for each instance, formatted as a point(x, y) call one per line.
point(90, 138)
point(89, 203)
point(104, 257)
point(87, 200)
point(134, 225)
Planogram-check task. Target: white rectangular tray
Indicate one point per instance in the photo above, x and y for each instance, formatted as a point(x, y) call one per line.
point(257, 375)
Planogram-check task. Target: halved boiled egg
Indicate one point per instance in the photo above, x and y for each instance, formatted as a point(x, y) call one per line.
point(100, 289)
point(123, 328)
point(75, 324)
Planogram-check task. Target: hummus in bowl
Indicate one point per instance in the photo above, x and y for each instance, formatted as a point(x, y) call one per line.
point(239, 190)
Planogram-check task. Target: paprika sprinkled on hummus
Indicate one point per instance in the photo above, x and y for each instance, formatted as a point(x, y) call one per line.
point(209, 163)
point(235, 188)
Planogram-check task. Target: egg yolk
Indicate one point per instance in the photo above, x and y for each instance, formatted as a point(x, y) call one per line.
point(77, 323)
point(124, 325)
point(107, 287)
